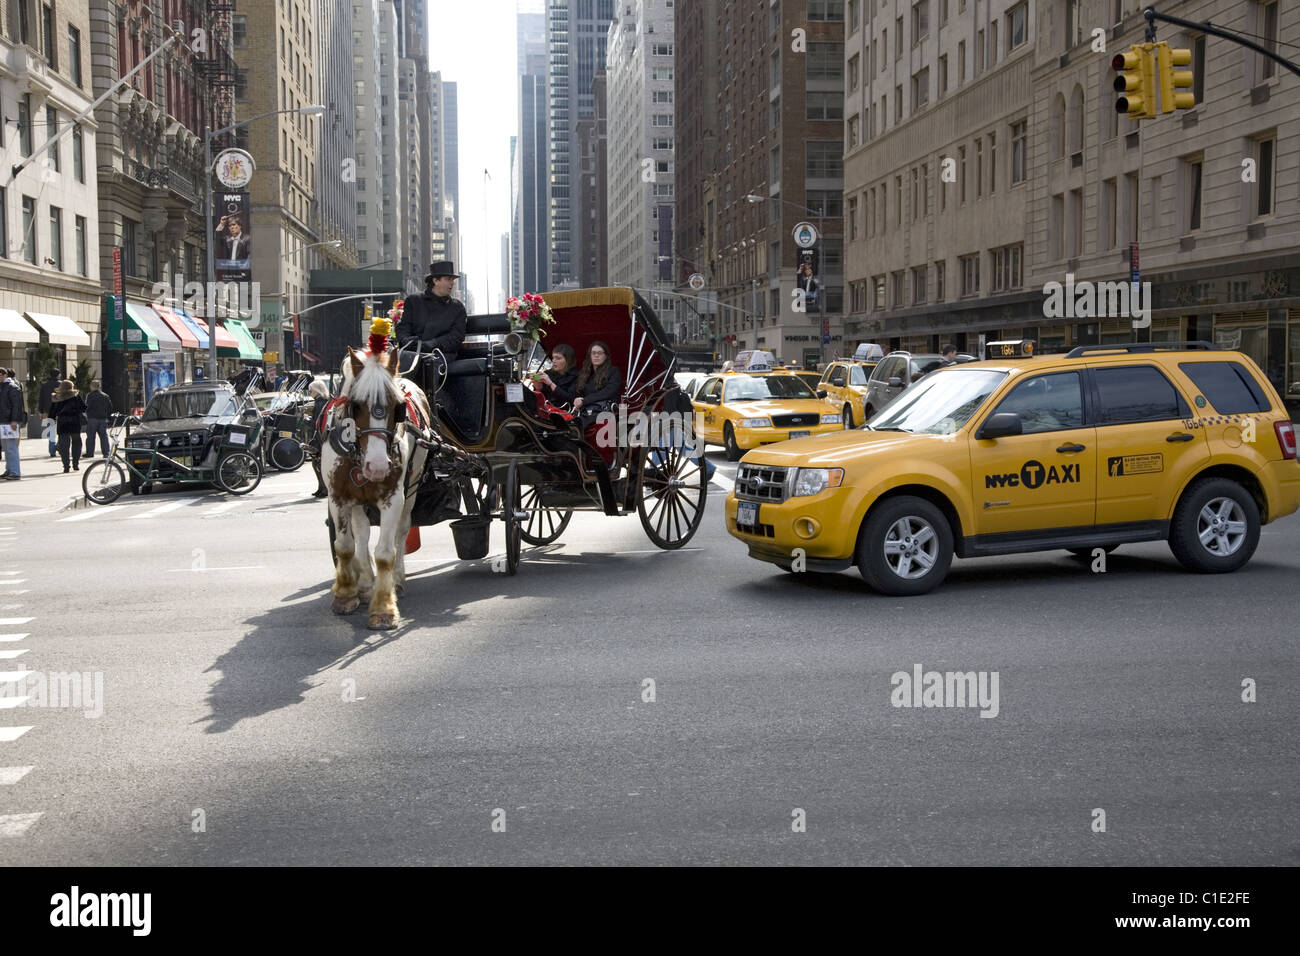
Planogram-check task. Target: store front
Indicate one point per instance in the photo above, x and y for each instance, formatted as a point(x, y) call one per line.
point(16, 335)
point(189, 341)
point(61, 331)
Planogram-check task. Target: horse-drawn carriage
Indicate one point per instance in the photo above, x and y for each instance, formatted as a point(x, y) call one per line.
point(487, 447)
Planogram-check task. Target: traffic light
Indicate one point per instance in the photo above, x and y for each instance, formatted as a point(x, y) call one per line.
point(1135, 82)
point(1174, 82)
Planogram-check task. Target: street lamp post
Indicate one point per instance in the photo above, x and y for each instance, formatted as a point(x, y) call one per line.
point(821, 294)
point(208, 137)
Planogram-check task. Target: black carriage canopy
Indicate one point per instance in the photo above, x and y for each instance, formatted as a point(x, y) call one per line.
point(617, 316)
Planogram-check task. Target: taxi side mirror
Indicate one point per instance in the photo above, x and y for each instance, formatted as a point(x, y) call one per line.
point(1003, 423)
point(710, 399)
point(821, 393)
point(895, 382)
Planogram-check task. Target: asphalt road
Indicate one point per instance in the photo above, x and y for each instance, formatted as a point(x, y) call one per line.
point(509, 721)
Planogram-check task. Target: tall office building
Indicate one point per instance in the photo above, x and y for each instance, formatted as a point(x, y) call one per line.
point(640, 165)
point(529, 169)
point(335, 212)
point(576, 36)
point(590, 210)
point(371, 20)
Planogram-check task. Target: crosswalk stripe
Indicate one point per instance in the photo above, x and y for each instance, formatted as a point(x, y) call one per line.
point(13, 677)
point(227, 506)
point(5, 584)
point(6, 621)
point(11, 775)
point(12, 637)
point(10, 655)
point(16, 824)
point(94, 512)
point(10, 734)
point(163, 509)
point(9, 703)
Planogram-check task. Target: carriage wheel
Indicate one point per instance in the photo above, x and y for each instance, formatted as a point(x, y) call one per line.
point(478, 495)
point(543, 525)
point(511, 506)
point(670, 496)
point(238, 473)
point(288, 454)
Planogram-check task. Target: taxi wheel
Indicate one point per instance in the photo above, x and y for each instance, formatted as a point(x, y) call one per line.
point(1215, 527)
point(847, 418)
point(734, 451)
point(905, 547)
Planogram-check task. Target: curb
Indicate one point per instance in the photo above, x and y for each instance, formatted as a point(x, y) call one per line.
point(73, 503)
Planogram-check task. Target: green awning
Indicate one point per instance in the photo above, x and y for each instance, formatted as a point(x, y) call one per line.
point(133, 333)
point(248, 350)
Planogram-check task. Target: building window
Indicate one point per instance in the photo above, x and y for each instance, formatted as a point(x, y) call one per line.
point(1073, 23)
point(939, 269)
point(898, 104)
point(78, 155)
point(239, 31)
point(25, 124)
point(993, 163)
point(898, 280)
point(1268, 38)
point(74, 55)
point(828, 202)
point(1198, 69)
point(918, 285)
point(241, 85)
point(853, 72)
point(52, 130)
point(921, 88)
point(81, 245)
point(1007, 267)
point(979, 52)
point(1018, 147)
point(824, 106)
point(29, 229)
point(920, 22)
point(1076, 222)
point(878, 293)
point(47, 35)
point(970, 274)
point(898, 38)
point(1192, 174)
point(916, 192)
point(961, 174)
point(853, 218)
point(823, 160)
point(979, 167)
point(943, 74)
point(1264, 153)
point(1110, 216)
point(830, 10)
point(4, 224)
point(853, 132)
point(1017, 25)
point(961, 62)
point(825, 61)
point(898, 200)
point(130, 251)
point(853, 15)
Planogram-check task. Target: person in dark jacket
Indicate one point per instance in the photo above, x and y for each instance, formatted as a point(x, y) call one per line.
point(434, 318)
point(98, 409)
point(558, 384)
point(320, 398)
point(599, 382)
point(66, 408)
point(13, 414)
point(43, 400)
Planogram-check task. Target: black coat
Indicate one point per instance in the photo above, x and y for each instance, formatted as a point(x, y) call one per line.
point(562, 392)
point(605, 393)
point(67, 414)
point(438, 323)
point(11, 404)
point(98, 405)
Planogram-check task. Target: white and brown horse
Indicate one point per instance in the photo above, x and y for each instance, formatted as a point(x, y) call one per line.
point(372, 458)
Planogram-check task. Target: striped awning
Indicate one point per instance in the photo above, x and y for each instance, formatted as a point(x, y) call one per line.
point(176, 324)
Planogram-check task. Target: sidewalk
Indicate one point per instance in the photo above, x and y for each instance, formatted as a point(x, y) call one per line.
point(44, 485)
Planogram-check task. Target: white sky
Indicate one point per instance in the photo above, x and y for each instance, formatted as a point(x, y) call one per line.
point(473, 44)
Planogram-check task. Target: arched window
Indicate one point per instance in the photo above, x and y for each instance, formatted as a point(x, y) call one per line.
point(1057, 127)
point(1076, 120)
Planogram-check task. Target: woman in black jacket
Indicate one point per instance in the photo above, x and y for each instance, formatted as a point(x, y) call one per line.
point(558, 384)
point(599, 382)
point(66, 408)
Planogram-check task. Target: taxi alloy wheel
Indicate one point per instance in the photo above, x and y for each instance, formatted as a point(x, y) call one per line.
point(734, 451)
point(1215, 528)
point(905, 547)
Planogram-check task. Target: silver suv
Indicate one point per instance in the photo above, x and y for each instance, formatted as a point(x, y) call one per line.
point(892, 374)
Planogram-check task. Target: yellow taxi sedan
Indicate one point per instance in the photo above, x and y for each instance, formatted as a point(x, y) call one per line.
point(740, 412)
point(845, 384)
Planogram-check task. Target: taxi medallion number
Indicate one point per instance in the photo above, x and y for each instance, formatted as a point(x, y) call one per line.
point(747, 514)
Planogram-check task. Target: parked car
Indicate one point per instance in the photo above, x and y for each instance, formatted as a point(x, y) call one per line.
point(892, 374)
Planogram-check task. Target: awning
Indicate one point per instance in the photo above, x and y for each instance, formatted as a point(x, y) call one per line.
point(174, 323)
point(14, 328)
point(309, 358)
point(227, 344)
point(248, 350)
point(198, 327)
point(139, 335)
point(147, 317)
point(61, 329)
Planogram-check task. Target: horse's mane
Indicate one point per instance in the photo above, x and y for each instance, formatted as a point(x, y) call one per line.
point(373, 385)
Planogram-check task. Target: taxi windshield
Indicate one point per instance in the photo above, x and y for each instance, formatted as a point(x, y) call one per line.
point(745, 388)
point(165, 406)
point(939, 404)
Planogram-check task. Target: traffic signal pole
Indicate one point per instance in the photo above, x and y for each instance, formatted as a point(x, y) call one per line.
point(1152, 16)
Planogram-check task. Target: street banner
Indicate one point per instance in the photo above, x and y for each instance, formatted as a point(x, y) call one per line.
point(232, 238)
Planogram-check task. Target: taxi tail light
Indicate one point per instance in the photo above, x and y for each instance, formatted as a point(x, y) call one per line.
point(1286, 438)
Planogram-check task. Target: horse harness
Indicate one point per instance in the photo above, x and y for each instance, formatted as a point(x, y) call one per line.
point(346, 439)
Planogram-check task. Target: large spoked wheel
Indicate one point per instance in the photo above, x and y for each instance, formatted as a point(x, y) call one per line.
point(104, 482)
point(734, 451)
point(512, 509)
point(671, 492)
point(905, 547)
point(543, 525)
point(1215, 528)
point(238, 473)
point(287, 454)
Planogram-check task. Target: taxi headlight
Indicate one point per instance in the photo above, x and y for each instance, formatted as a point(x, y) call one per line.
point(754, 423)
point(812, 481)
point(831, 420)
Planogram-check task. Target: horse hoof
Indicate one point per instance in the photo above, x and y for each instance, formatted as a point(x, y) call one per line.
point(345, 605)
point(382, 622)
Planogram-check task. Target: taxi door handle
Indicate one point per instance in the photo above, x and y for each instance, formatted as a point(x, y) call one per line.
point(1065, 449)
point(1184, 436)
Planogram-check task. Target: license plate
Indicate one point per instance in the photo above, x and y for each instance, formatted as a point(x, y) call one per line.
point(800, 434)
point(237, 439)
point(747, 514)
point(286, 434)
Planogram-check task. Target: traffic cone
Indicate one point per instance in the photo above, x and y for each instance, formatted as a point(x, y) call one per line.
point(412, 541)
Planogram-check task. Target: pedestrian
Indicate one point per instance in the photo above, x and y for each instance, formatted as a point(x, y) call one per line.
point(12, 419)
point(320, 398)
point(949, 353)
point(43, 403)
point(98, 409)
point(67, 408)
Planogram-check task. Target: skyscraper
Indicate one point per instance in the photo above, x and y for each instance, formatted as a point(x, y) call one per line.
point(529, 169)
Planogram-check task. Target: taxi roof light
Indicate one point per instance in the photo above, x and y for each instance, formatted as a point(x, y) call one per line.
point(1009, 348)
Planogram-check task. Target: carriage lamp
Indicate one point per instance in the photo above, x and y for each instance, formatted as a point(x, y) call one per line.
point(813, 481)
point(754, 423)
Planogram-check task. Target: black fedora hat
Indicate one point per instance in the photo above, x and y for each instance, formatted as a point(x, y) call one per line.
point(439, 269)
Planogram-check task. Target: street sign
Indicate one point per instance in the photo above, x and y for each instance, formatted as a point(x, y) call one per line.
point(234, 168)
point(696, 281)
point(805, 235)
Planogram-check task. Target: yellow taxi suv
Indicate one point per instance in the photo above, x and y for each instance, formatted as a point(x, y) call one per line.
point(739, 411)
point(1097, 448)
point(845, 384)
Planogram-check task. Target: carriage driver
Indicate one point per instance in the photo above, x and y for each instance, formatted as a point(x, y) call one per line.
point(434, 319)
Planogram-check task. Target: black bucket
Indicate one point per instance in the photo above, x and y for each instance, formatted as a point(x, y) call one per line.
point(471, 536)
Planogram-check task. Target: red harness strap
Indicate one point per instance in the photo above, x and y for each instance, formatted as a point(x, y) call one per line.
point(325, 413)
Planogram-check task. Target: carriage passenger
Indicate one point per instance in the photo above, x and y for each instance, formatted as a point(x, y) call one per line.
point(599, 383)
point(558, 384)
